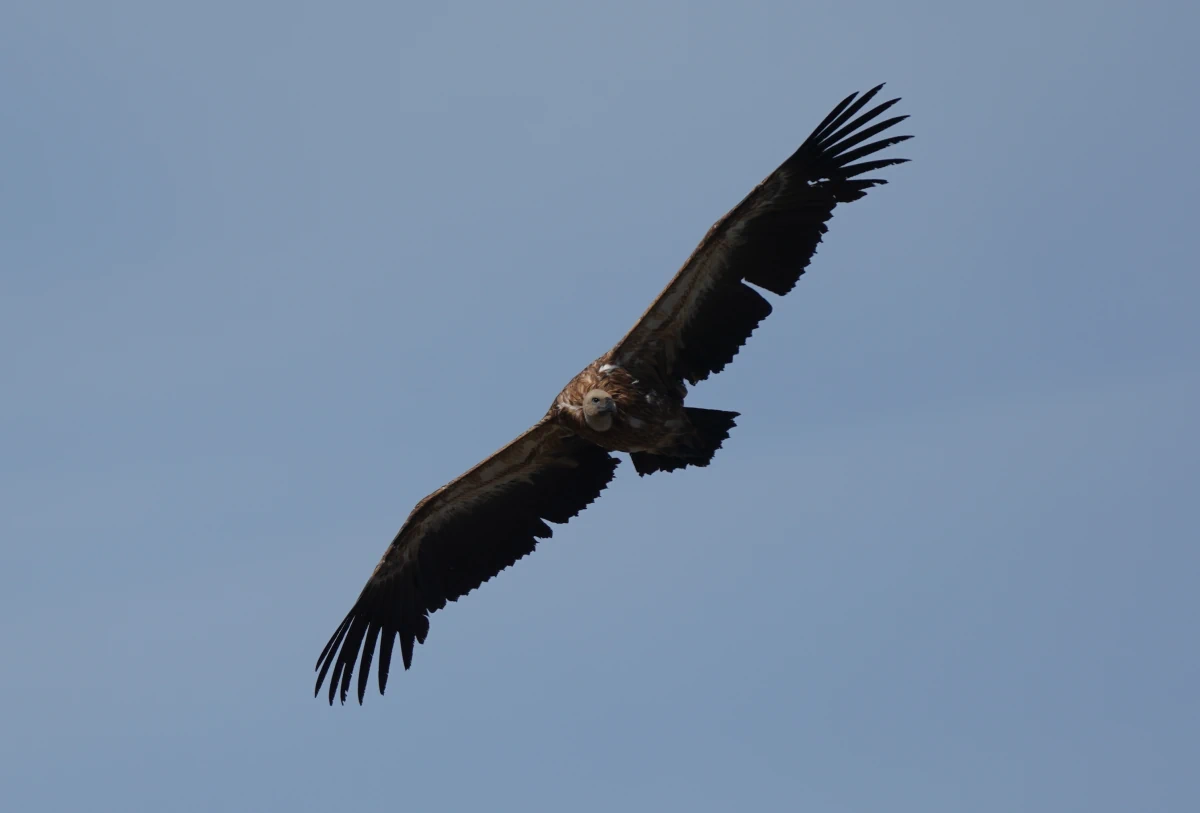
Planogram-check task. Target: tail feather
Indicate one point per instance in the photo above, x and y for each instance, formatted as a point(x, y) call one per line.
point(711, 428)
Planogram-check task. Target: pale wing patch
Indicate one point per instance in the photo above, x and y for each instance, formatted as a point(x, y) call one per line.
point(510, 465)
point(659, 329)
point(491, 472)
point(707, 279)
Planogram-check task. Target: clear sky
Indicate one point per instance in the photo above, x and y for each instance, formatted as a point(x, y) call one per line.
point(272, 272)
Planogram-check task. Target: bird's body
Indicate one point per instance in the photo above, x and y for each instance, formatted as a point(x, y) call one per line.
point(646, 414)
point(629, 400)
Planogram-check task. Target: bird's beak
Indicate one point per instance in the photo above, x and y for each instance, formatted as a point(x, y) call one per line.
point(610, 408)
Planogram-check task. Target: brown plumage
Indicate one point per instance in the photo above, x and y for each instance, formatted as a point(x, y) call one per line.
point(629, 400)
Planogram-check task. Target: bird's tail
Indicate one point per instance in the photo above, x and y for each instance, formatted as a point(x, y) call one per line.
point(710, 428)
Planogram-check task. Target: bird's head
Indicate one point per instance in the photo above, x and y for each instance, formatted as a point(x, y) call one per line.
point(598, 410)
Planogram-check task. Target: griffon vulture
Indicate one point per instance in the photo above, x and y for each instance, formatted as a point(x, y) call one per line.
point(630, 400)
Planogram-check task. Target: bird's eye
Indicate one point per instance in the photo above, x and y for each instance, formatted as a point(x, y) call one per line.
point(595, 400)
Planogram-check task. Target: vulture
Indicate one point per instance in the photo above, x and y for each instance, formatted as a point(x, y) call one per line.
point(631, 400)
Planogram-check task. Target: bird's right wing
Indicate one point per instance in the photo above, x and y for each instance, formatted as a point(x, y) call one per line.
point(459, 537)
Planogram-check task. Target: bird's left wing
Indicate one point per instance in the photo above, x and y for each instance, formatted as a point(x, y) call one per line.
point(459, 537)
point(706, 313)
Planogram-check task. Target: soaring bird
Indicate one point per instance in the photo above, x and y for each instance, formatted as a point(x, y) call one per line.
point(631, 399)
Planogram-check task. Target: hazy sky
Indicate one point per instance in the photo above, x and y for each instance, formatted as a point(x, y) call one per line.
point(272, 272)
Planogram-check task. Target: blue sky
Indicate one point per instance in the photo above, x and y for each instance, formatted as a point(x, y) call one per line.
point(265, 267)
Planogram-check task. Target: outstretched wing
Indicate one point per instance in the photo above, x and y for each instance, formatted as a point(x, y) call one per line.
point(459, 537)
point(707, 312)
